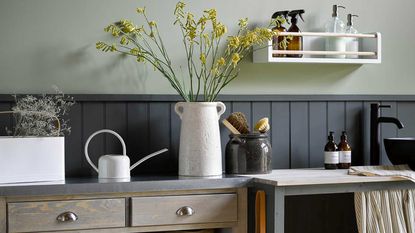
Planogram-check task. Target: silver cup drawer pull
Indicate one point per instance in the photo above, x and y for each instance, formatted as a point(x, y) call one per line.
point(67, 217)
point(185, 211)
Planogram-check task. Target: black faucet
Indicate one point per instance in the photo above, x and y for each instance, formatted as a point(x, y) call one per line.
point(375, 120)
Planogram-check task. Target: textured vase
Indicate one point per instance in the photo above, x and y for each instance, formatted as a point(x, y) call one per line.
point(200, 147)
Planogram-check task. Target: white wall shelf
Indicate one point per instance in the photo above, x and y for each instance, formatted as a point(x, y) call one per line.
point(370, 49)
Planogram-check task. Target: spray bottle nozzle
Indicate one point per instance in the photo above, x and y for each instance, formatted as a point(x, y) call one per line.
point(293, 14)
point(335, 8)
point(350, 19)
point(280, 13)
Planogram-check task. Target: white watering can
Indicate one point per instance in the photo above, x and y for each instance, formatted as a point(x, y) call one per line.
point(115, 166)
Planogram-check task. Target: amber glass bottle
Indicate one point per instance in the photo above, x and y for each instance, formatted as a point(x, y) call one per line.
point(331, 153)
point(296, 43)
point(277, 39)
point(345, 152)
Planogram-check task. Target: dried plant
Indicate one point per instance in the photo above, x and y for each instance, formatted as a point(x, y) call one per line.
point(41, 116)
point(209, 67)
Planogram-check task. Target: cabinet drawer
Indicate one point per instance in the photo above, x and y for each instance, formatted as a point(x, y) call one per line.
point(43, 216)
point(212, 208)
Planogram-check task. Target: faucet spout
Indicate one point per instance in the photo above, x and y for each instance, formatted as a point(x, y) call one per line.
point(393, 120)
point(375, 121)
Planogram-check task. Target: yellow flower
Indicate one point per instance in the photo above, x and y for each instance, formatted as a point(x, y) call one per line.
point(211, 14)
point(206, 38)
point(180, 6)
point(140, 59)
point(235, 59)
point(135, 51)
point(124, 40)
point(221, 61)
point(234, 42)
point(152, 23)
point(202, 22)
point(113, 29)
point(243, 23)
point(220, 30)
point(141, 10)
point(113, 48)
point(203, 58)
point(127, 26)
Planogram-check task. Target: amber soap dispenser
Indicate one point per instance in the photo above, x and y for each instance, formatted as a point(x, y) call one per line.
point(331, 153)
point(345, 152)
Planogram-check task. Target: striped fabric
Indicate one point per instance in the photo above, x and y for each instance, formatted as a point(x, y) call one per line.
point(385, 211)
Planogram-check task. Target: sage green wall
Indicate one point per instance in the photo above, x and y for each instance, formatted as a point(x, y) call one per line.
point(52, 42)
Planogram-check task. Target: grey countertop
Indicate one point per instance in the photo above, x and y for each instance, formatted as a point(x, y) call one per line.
point(136, 184)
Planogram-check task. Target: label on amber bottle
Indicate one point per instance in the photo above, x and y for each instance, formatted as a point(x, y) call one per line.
point(331, 157)
point(345, 156)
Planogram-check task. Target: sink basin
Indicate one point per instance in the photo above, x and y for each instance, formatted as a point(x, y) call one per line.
point(401, 151)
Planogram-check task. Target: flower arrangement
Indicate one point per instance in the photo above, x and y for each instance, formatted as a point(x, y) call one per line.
point(209, 69)
point(41, 116)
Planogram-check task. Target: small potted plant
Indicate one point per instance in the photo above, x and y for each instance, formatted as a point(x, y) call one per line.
point(35, 148)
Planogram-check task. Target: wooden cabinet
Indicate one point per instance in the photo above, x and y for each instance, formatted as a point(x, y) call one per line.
point(65, 215)
point(185, 209)
point(127, 212)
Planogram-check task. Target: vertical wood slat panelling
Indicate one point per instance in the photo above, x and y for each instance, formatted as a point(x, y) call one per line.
point(93, 119)
point(317, 132)
point(280, 130)
point(175, 123)
point(336, 118)
point(298, 130)
point(75, 163)
point(299, 146)
point(137, 139)
point(354, 130)
point(406, 114)
point(159, 138)
point(366, 133)
point(116, 120)
point(224, 133)
point(387, 130)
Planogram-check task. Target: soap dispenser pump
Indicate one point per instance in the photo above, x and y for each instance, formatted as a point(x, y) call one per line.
point(352, 44)
point(335, 25)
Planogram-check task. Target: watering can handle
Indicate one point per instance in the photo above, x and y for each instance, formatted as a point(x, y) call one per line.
point(124, 150)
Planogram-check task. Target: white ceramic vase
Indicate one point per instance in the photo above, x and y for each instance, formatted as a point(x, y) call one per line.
point(200, 146)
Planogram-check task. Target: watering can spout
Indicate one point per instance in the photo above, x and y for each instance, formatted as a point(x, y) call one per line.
point(147, 157)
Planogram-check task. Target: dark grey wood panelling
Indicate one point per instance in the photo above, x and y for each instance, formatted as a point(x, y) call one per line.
point(158, 134)
point(299, 145)
point(224, 133)
point(93, 115)
point(299, 127)
point(75, 162)
point(280, 131)
point(138, 130)
point(317, 132)
point(354, 117)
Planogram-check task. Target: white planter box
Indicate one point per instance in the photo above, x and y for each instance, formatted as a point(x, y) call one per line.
point(32, 159)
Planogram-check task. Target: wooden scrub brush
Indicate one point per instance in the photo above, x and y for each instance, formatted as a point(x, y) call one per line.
point(238, 123)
